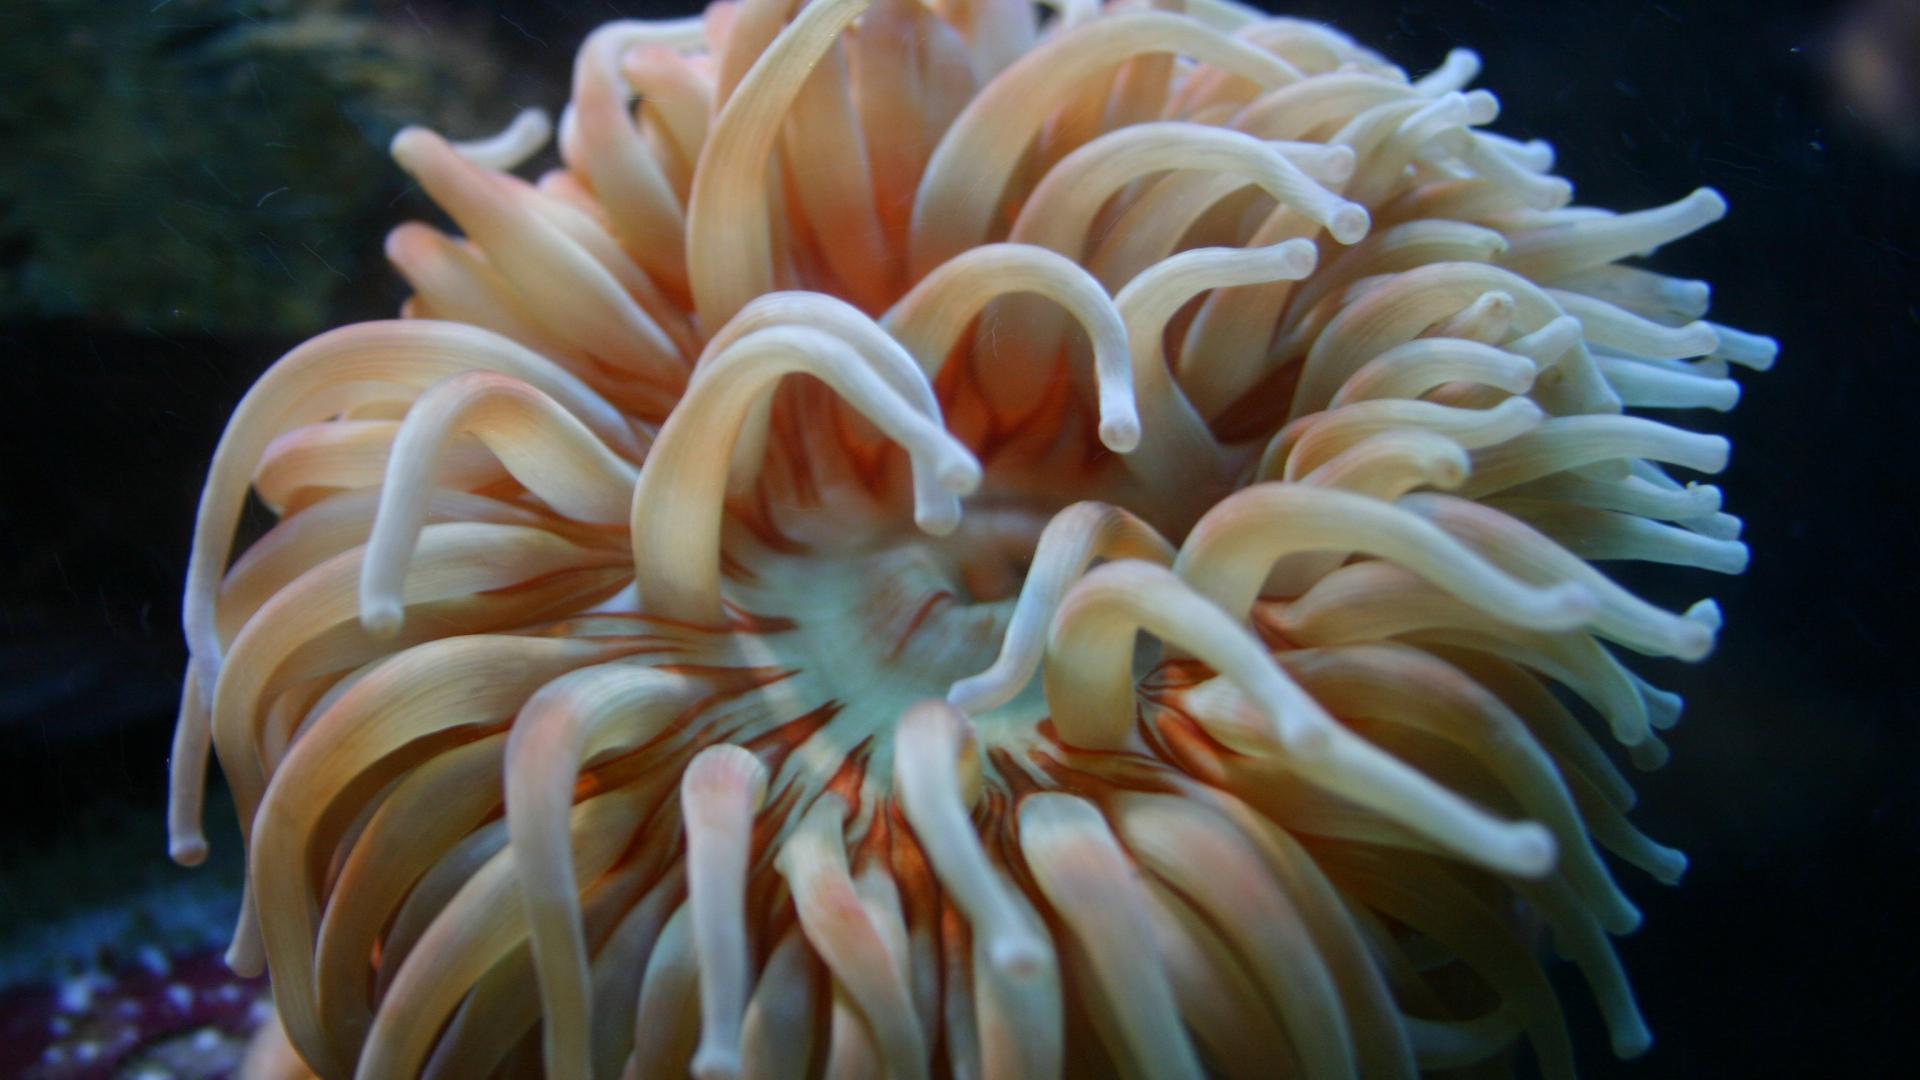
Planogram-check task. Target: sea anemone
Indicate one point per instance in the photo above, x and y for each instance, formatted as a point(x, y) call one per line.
point(607, 702)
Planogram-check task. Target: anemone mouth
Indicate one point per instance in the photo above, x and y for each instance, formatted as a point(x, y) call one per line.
point(943, 542)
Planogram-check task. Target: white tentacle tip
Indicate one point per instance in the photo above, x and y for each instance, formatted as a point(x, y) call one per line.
point(1569, 605)
point(937, 524)
point(1349, 223)
point(381, 616)
point(1733, 557)
point(1536, 155)
point(1550, 193)
point(1483, 107)
point(1696, 633)
point(1708, 498)
point(1707, 614)
point(1623, 918)
point(1295, 259)
point(1698, 338)
point(1649, 755)
point(968, 693)
point(187, 850)
point(1686, 294)
point(1725, 396)
point(1719, 526)
point(1632, 1040)
point(727, 766)
point(1120, 431)
point(1708, 203)
point(938, 516)
point(1497, 305)
point(1691, 640)
point(1529, 850)
point(959, 473)
point(1755, 351)
point(717, 1063)
point(1449, 471)
point(512, 146)
point(1664, 707)
point(1017, 956)
point(408, 143)
point(405, 241)
point(1719, 451)
point(1524, 410)
point(1669, 865)
point(1304, 741)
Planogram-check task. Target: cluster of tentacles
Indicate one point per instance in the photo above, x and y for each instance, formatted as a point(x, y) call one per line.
point(595, 707)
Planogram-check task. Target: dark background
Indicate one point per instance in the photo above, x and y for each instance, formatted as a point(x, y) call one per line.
point(151, 271)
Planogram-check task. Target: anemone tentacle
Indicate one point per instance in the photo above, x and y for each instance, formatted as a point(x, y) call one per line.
point(946, 541)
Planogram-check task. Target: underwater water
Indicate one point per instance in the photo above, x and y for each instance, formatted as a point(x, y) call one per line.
point(189, 189)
